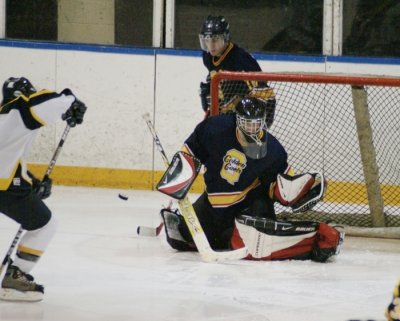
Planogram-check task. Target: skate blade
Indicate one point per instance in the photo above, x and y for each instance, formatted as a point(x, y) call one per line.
point(15, 295)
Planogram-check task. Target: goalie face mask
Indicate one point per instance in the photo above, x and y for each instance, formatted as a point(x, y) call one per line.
point(251, 127)
point(255, 149)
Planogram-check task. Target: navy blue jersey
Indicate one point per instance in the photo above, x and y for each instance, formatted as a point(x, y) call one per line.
point(233, 58)
point(230, 174)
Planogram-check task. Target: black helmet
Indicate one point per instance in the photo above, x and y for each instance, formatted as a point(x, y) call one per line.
point(15, 87)
point(250, 122)
point(213, 27)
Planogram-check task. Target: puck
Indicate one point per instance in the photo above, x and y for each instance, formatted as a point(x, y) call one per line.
point(123, 197)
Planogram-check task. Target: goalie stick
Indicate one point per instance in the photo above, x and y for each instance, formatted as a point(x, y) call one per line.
point(50, 167)
point(149, 231)
point(190, 217)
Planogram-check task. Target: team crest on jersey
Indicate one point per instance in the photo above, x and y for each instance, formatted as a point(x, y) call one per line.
point(234, 163)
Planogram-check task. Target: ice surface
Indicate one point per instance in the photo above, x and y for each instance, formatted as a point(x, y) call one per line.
point(98, 269)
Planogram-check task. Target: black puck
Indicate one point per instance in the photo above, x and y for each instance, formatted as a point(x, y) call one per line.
point(123, 197)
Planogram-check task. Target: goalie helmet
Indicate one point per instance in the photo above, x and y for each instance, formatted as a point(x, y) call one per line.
point(212, 29)
point(15, 87)
point(251, 127)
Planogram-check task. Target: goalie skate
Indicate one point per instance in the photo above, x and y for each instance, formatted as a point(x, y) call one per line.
point(19, 286)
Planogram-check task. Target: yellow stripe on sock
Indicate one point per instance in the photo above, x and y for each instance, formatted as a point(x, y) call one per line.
point(30, 251)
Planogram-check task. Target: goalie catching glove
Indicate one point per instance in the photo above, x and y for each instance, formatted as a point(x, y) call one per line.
point(300, 192)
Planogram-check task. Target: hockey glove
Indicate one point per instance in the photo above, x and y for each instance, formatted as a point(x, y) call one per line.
point(41, 188)
point(205, 95)
point(74, 114)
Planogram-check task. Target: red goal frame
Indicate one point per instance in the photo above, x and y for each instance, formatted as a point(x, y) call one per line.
point(297, 77)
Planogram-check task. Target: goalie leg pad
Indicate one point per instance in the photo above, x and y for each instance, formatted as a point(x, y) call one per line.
point(176, 231)
point(274, 240)
point(278, 240)
point(327, 243)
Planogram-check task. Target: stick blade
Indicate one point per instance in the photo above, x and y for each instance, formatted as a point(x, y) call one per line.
point(149, 231)
point(146, 231)
point(226, 256)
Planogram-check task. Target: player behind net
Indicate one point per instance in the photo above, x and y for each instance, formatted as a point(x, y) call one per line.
point(246, 172)
point(23, 112)
point(220, 53)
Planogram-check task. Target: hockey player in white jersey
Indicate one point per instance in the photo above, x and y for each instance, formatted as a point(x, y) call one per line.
point(23, 111)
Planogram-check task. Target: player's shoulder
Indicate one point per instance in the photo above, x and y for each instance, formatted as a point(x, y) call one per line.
point(245, 58)
point(239, 50)
point(15, 104)
point(276, 144)
point(220, 123)
point(227, 119)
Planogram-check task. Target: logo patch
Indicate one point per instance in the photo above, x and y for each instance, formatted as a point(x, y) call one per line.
point(234, 163)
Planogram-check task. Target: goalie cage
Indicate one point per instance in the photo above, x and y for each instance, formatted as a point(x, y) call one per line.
point(346, 126)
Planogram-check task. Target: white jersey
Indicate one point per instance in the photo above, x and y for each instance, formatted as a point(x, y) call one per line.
point(20, 120)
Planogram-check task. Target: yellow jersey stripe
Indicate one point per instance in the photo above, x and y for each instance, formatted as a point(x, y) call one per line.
point(228, 199)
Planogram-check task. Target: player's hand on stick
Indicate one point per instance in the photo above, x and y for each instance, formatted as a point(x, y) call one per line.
point(74, 115)
point(41, 188)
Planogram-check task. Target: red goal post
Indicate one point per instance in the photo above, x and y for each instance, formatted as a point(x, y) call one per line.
point(346, 126)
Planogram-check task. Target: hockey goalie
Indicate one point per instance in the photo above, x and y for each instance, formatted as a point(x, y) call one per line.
point(246, 173)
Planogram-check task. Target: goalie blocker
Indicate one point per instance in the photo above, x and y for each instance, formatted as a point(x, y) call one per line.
point(179, 176)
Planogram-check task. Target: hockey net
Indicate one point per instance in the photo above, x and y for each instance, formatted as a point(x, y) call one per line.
point(345, 126)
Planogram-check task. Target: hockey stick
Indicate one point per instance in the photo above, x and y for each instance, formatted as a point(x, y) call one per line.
point(46, 177)
point(56, 153)
point(149, 231)
point(190, 217)
point(11, 249)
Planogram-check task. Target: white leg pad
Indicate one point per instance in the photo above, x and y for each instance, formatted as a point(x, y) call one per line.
point(261, 245)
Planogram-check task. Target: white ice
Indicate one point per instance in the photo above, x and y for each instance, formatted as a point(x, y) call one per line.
point(98, 269)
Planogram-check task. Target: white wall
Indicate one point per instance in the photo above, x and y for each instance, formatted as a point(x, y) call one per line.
point(119, 87)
